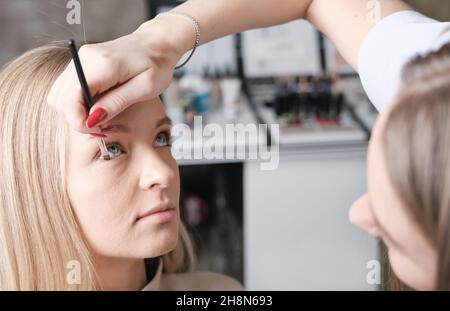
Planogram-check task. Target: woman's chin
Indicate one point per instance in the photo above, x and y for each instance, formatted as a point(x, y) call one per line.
point(162, 242)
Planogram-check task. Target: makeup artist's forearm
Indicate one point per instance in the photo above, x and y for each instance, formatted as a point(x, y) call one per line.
point(347, 22)
point(219, 18)
point(224, 17)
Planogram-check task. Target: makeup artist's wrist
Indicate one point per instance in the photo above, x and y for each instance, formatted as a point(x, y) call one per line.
point(170, 35)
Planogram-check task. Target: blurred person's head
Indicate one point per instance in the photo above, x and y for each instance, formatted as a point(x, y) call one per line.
point(60, 202)
point(408, 199)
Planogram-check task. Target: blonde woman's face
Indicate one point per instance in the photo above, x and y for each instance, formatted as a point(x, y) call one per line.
point(111, 197)
point(381, 214)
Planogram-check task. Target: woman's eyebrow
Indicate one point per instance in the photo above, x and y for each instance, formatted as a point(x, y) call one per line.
point(162, 121)
point(116, 128)
point(110, 128)
point(126, 129)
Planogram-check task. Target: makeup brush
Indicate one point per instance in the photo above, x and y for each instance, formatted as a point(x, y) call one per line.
point(86, 94)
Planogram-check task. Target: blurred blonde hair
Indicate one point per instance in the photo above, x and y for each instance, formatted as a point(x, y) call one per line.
point(417, 151)
point(39, 234)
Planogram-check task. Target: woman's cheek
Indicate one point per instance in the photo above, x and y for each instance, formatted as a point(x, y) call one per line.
point(409, 272)
point(95, 185)
point(176, 181)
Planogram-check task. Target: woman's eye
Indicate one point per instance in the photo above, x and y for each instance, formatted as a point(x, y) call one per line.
point(114, 150)
point(162, 139)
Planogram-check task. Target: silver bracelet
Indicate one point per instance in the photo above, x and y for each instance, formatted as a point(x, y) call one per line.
point(197, 33)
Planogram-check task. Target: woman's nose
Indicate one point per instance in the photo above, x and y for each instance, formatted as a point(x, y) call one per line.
point(156, 172)
point(361, 216)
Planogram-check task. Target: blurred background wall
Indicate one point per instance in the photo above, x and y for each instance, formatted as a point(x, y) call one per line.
point(25, 24)
point(439, 9)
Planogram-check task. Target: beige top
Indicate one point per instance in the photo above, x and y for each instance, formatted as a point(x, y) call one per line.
point(194, 281)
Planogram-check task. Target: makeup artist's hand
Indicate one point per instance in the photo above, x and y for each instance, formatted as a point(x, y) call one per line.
point(128, 70)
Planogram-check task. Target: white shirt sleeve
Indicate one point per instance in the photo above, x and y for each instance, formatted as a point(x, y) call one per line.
point(394, 41)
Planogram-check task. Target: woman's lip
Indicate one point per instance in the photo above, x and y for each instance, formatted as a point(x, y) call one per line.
point(159, 211)
point(161, 216)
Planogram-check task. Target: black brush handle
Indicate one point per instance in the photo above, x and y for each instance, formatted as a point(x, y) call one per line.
point(84, 86)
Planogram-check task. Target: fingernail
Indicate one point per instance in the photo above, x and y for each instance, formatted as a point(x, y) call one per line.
point(96, 117)
point(99, 135)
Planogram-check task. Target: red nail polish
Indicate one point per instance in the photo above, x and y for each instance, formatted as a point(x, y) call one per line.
point(96, 117)
point(99, 135)
point(108, 128)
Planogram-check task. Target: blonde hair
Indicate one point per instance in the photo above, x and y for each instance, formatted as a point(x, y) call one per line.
point(417, 151)
point(39, 234)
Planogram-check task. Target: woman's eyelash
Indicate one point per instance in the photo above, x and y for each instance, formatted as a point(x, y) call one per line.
point(167, 143)
point(107, 147)
point(167, 137)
